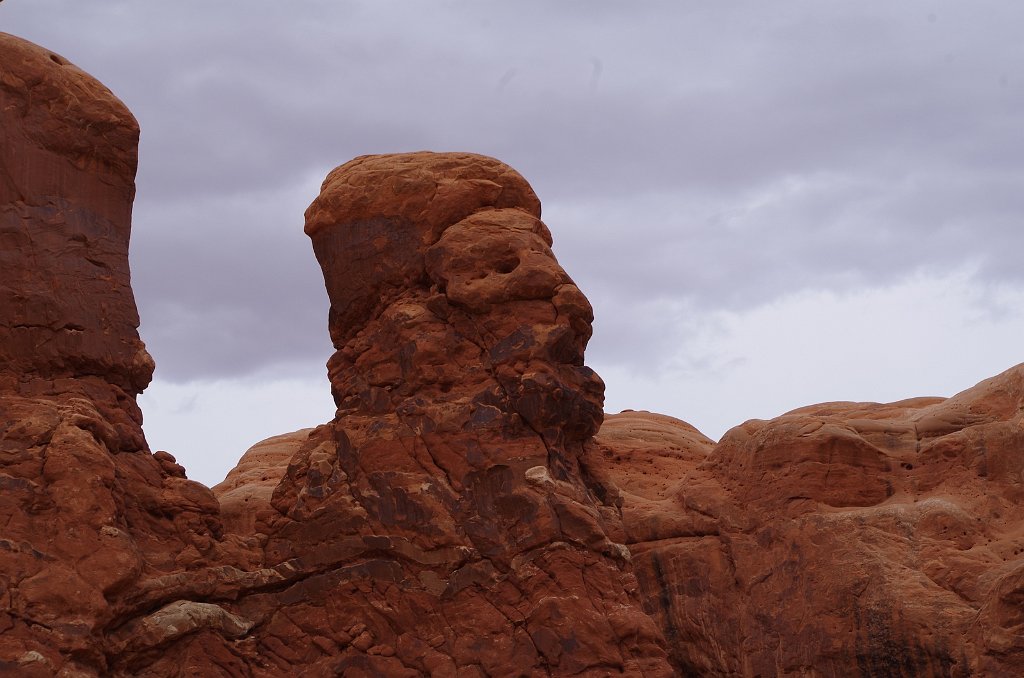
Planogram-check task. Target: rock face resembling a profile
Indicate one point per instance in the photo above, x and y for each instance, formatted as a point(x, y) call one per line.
point(408, 537)
point(458, 369)
point(470, 511)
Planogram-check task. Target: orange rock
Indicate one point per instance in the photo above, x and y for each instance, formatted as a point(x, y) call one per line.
point(245, 493)
point(843, 538)
point(89, 516)
point(459, 516)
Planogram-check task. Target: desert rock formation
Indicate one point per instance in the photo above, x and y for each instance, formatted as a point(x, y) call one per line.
point(838, 539)
point(90, 518)
point(469, 511)
point(441, 525)
point(445, 504)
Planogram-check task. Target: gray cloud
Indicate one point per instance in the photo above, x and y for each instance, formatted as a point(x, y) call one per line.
point(690, 155)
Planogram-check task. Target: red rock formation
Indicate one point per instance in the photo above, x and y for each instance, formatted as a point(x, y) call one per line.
point(88, 517)
point(440, 525)
point(459, 517)
point(839, 539)
point(245, 493)
point(444, 505)
point(67, 180)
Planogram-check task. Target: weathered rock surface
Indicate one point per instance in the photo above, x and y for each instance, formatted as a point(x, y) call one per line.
point(67, 179)
point(440, 525)
point(87, 515)
point(467, 512)
point(444, 508)
point(839, 539)
point(245, 493)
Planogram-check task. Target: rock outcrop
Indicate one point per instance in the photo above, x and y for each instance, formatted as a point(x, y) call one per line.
point(88, 517)
point(245, 493)
point(444, 507)
point(68, 151)
point(839, 539)
point(469, 511)
point(440, 525)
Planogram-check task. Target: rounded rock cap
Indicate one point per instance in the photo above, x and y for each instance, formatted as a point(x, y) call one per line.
point(377, 215)
point(434, 190)
point(68, 154)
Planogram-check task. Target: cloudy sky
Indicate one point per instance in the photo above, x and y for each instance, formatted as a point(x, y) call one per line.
point(769, 204)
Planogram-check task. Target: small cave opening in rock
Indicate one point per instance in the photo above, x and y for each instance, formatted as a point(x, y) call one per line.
point(508, 263)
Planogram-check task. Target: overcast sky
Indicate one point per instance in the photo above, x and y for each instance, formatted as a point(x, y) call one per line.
point(769, 204)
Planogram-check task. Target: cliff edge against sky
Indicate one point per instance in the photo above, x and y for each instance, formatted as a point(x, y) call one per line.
point(470, 511)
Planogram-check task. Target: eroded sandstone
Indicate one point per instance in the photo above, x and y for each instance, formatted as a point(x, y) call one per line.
point(88, 514)
point(470, 511)
point(410, 536)
point(838, 539)
point(458, 371)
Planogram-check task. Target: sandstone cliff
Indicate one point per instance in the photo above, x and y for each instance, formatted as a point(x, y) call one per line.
point(91, 521)
point(469, 511)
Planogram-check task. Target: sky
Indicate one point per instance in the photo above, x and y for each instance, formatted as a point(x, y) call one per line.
point(768, 204)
